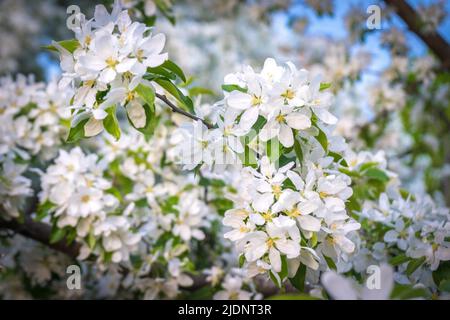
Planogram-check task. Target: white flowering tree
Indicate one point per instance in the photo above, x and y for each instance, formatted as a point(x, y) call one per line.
point(158, 187)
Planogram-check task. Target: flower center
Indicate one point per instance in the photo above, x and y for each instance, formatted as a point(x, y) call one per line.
point(87, 40)
point(288, 94)
point(111, 62)
point(256, 101)
point(85, 198)
point(294, 213)
point(267, 216)
point(323, 194)
point(130, 96)
point(276, 189)
point(244, 229)
point(280, 118)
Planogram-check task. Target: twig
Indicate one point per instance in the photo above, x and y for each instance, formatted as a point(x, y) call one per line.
point(181, 111)
point(433, 40)
point(40, 232)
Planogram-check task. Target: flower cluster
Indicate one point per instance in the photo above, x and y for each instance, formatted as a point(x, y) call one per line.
point(32, 128)
point(414, 229)
point(76, 189)
point(288, 211)
point(106, 63)
point(31, 117)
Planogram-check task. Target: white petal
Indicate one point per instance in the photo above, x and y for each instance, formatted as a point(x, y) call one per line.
point(338, 287)
point(99, 114)
point(275, 259)
point(263, 202)
point(325, 116)
point(239, 100)
point(249, 118)
point(93, 127)
point(309, 223)
point(298, 121)
point(125, 65)
point(286, 136)
point(156, 60)
point(155, 44)
point(391, 236)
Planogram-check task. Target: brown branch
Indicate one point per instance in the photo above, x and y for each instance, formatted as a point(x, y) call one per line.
point(433, 40)
point(40, 232)
point(181, 111)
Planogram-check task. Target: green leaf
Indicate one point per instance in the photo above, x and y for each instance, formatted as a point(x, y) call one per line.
point(91, 240)
point(162, 72)
point(241, 260)
point(71, 236)
point(274, 149)
point(338, 158)
point(442, 273)
point(292, 296)
point(321, 137)
point(176, 93)
point(275, 279)
point(233, 87)
point(57, 235)
point(43, 210)
point(204, 293)
point(444, 286)
point(398, 260)
point(151, 120)
point(413, 265)
point(324, 86)
point(405, 292)
point(172, 66)
point(197, 91)
point(298, 150)
point(376, 174)
point(314, 239)
point(284, 268)
point(298, 281)
point(368, 165)
point(111, 123)
point(330, 263)
point(248, 157)
point(259, 124)
point(76, 133)
point(70, 45)
point(146, 93)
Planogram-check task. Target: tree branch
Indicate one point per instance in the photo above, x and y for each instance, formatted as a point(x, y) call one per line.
point(40, 232)
point(181, 111)
point(433, 40)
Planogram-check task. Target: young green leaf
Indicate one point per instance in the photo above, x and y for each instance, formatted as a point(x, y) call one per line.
point(232, 87)
point(298, 281)
point(146, 93)
point(111, 123)
point(76, 133)
point(330, 263)
point(70, 45)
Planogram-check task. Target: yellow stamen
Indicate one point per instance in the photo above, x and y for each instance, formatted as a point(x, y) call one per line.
point(288, 94)
point(256, 101)
point(280, 118)
point(111, 62)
